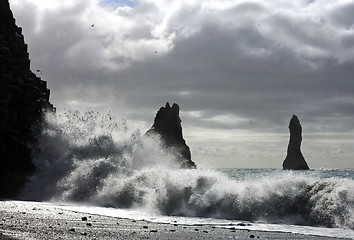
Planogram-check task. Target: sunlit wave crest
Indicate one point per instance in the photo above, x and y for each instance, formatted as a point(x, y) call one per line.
point(93, 158)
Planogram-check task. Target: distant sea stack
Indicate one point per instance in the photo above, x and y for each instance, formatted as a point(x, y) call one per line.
point(167, 125)
point(23, 98)
point(294, 159)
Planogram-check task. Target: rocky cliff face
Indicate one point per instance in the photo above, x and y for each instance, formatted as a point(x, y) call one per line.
point(23, 98)
point(294, 159)
point(167, 125)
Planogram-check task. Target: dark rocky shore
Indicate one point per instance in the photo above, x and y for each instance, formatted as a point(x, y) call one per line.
point(23, 99)
point(32, 220)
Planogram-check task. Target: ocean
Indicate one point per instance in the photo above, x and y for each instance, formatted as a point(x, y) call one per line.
point(93, 163)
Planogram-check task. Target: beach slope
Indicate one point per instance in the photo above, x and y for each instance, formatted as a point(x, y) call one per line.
point(34, 220)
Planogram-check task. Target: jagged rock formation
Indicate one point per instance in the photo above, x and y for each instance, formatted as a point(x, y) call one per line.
point(167, 125)
point(294, 159)
point(23, 98)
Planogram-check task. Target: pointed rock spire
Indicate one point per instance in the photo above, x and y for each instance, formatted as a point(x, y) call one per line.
point(167, 125)
point(294, 159)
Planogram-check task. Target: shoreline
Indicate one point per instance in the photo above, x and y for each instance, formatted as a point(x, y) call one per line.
point(38, 220)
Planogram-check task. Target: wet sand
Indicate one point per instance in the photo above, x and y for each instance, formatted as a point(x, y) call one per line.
point(33, 220)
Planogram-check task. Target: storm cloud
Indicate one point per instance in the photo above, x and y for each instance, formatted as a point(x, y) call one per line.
point(238, 70)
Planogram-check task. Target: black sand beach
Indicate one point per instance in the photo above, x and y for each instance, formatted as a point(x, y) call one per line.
point(33, 220)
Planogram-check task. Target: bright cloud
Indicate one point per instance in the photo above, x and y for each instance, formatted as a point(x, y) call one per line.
point(231, 65)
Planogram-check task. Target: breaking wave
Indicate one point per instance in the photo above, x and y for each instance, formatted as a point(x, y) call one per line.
point(93, 158)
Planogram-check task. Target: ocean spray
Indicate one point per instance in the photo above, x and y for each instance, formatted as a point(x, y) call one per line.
point(93, 158)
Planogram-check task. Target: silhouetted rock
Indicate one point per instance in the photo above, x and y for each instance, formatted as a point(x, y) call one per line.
point(23, 97)
point(167, 125)
point(294, 159)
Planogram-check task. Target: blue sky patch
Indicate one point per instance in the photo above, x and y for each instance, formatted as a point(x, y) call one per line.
point(117, 3)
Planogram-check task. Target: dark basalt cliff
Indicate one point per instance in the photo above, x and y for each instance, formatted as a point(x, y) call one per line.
point(294, 159)
point(167, 125)
point(23, 98)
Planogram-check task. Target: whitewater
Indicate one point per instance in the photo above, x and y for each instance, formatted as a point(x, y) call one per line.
point(95, 163)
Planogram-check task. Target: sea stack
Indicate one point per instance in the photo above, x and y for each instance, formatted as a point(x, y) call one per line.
point(294, 159)
point(23, 99)
point(167, 125)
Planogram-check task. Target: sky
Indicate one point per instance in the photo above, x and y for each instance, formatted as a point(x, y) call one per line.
point(238, 69)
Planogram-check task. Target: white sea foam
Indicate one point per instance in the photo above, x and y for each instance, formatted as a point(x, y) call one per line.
point(93, 159)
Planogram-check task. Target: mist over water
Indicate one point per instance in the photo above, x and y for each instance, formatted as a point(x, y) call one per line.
point(93, 158)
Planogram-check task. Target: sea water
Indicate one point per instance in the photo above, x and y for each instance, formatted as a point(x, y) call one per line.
point(98, 162)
